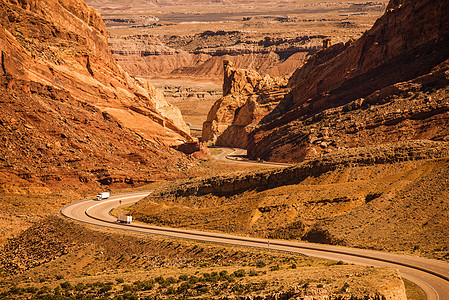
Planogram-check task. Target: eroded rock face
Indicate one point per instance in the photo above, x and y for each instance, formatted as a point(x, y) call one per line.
point(247, 98)
point(68, 109)
point(390, 85)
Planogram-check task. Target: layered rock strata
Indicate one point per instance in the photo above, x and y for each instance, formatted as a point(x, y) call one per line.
point(68, 109)
point(201, 55)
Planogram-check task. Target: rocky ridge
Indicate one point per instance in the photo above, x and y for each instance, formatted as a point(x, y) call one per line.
point(247, 98)
point(229, 185)
point(390, 85)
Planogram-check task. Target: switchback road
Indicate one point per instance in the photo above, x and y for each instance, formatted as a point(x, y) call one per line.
point(431, 275)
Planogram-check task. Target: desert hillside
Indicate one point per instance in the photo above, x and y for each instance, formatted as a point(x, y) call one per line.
point(367, 119)
point(363, 197)
point(74, 122)
point(390, 85)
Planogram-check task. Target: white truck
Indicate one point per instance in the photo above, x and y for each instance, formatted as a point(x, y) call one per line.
point(102, 196)
point(124, 219)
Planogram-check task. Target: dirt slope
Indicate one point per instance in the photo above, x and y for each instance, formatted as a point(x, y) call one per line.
point(390, 85)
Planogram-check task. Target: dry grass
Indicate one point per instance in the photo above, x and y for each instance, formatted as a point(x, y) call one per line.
point(414, 292)
point(80, 260)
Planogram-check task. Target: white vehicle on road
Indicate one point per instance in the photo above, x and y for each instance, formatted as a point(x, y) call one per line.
point(102, 196)
point(124, 219)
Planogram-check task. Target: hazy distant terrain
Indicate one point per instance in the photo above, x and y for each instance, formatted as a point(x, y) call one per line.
point(176, 41)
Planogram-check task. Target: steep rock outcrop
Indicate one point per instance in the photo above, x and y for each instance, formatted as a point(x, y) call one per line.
point(247, 98)
point(389, 85)
point(68, 110)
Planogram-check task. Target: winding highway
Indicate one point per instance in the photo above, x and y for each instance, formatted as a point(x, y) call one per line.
point(431, 275)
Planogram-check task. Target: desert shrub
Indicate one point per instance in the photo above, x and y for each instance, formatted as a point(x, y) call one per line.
point(66, 285)
point(170, 290)
point(59, 277)
point(212, 277)
point(193, 279)
point(160, 280)
point(171, 280)
point(144, 285)
point(31, 289)
point(260, 286)
point(128, 288)
point(202, 289)
point(127, 296)
point(105, 289)
point(239, 273)
point(275, 268)
point(57, 290)
point(293, 266)
point(184, 287)
point(238, 288)
point(253, 273)
point(80, 286)
point(15, 291)
point(260, 264)
point(183, 277)
point(225, 277)
point(120, 280)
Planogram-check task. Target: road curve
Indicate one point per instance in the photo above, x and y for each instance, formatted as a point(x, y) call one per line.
point(237, 155)
point(431, 275)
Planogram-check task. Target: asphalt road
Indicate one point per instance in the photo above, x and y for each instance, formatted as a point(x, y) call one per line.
point(236, 155)
point(431, 275)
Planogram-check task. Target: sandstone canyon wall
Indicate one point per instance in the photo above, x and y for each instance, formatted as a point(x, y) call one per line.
point(390, 85)
point(68, 110)
point(247, 98)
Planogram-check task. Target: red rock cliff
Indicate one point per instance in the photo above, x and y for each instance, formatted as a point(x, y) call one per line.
point(387, 86)
point(68, 109)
